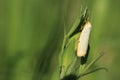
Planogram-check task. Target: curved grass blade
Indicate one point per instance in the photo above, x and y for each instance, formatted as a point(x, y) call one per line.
point(97, 69)
point(92, 62)
point(78, 24)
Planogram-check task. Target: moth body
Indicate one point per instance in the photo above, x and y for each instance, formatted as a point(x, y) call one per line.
point(83, 40)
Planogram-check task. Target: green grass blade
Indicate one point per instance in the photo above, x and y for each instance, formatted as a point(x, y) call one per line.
point(97, 69)
point(92, 62)
point(74, 27)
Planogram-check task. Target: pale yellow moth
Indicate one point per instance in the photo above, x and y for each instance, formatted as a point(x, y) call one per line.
point(83, 40)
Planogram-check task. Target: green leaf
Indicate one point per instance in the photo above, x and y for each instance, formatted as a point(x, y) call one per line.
point(68, 50)
point(78, 24)
point(97, 69)
point(74, 27)
point(92, 62)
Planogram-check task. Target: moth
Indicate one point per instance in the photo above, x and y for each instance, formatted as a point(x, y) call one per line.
point(84, 39)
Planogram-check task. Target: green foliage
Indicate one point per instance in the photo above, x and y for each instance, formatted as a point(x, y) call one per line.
point(72, 66)
point(31, 34)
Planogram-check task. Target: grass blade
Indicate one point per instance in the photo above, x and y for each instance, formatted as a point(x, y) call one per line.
point(92, 62)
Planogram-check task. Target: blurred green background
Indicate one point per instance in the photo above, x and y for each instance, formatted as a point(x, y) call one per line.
point(31, 33)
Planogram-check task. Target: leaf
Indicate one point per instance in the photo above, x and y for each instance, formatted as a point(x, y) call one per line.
point(68, 52)
point(92, 62)
point(97, 69)
point(78, 24)
point(74, 27)
point(72, 66)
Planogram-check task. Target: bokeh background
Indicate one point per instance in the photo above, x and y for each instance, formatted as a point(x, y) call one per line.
point(31, 33)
